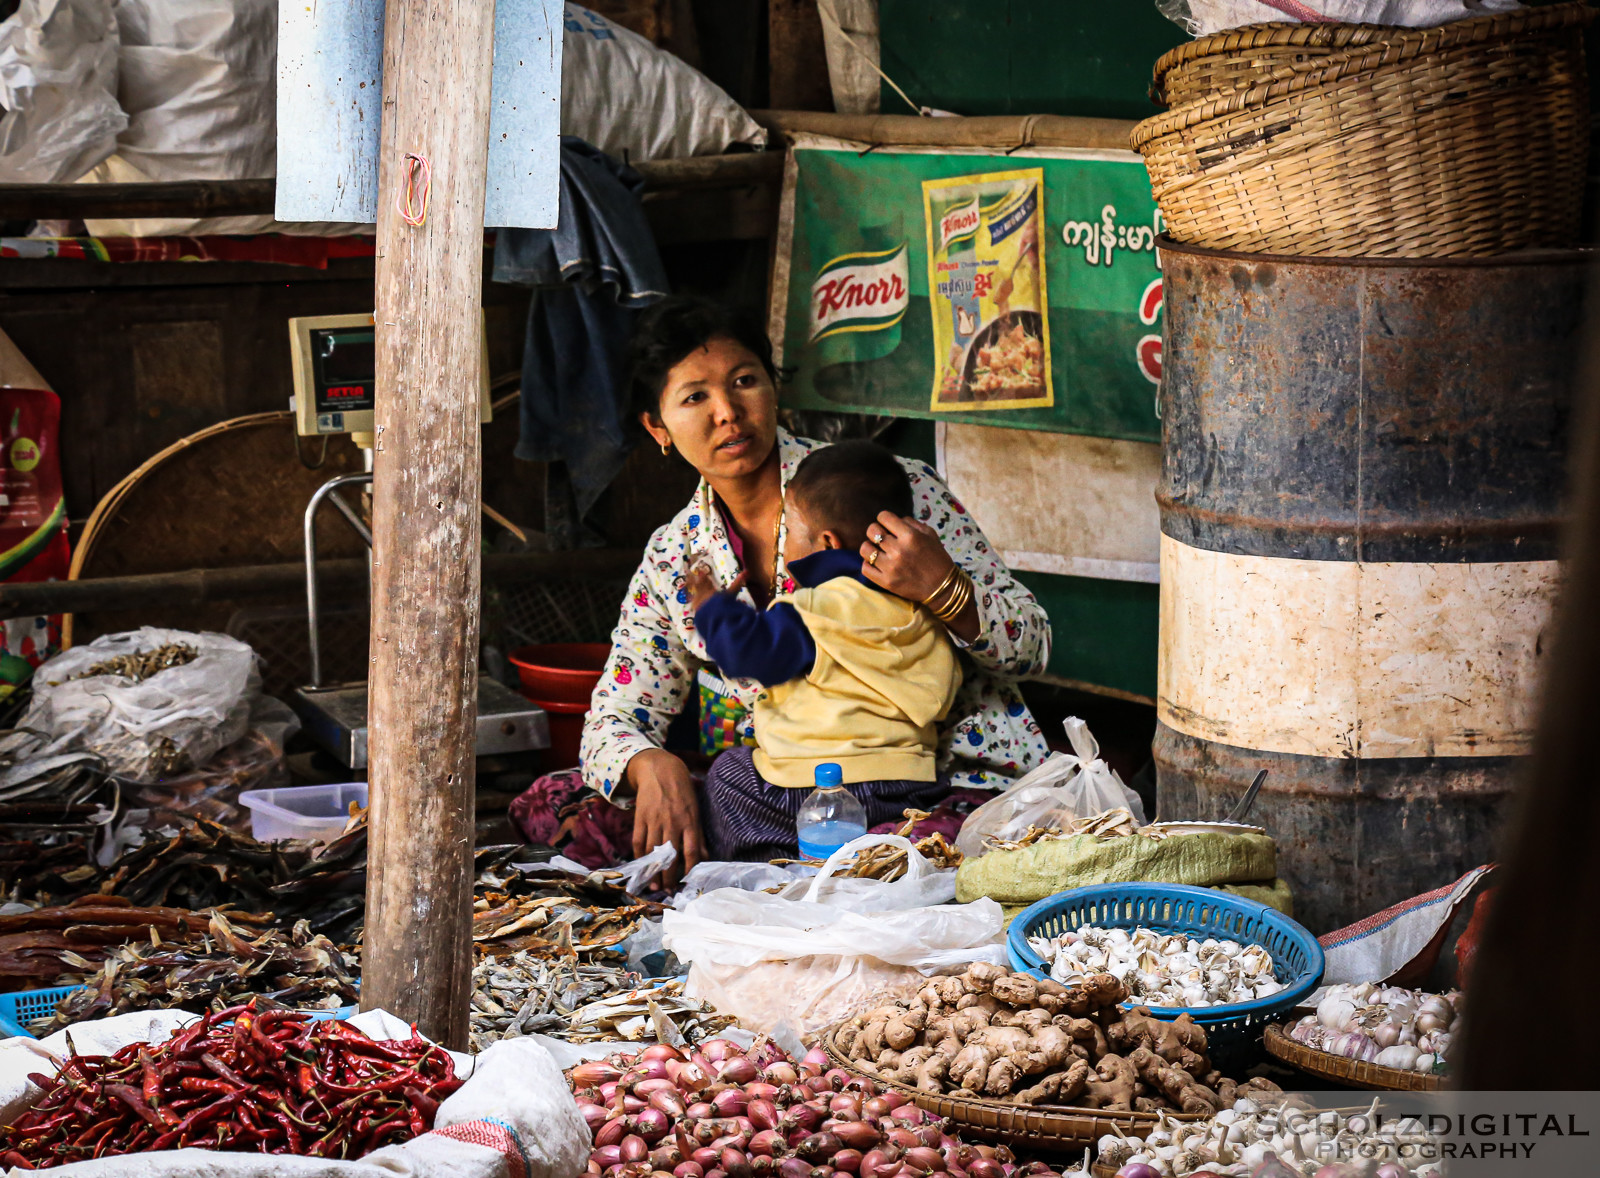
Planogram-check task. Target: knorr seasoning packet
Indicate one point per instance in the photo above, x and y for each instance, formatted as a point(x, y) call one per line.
point(990, 316)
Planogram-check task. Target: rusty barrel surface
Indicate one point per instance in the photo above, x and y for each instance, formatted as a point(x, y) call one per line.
point(1362, 475)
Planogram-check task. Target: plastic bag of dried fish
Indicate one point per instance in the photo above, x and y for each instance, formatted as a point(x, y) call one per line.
point(149, 702)
point(1062, 789)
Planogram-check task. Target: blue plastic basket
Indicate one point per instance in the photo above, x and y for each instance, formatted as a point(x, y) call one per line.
point(1297, 959)
point(20, 1009)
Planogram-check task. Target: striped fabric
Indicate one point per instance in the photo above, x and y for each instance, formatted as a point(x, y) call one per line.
point(747, 818)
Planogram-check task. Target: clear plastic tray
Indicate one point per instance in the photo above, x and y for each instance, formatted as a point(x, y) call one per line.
point(302, 811)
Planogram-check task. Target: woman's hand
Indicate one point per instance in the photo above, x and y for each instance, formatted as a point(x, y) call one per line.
point(665, 809)
point(906, 557)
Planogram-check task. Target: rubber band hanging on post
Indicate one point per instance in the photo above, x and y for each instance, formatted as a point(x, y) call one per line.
point(414, 165)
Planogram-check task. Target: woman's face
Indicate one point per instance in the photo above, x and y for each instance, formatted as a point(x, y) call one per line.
point(719, 408)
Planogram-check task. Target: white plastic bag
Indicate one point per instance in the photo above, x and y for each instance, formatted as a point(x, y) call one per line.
point(1063, 788)
point(811, 961)
point(176, 718)
point(514, 1114)
point(58, 90)
point(637, 102)
point(711, 874)
point(1203, 17)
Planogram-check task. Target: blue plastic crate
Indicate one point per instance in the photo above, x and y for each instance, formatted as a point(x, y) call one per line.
point(18, 1010)
point(1297, 959)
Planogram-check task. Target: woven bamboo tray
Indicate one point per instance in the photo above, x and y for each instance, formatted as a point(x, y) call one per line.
point(1033, 1127)
point(1467, 139)
point(1354, 1072)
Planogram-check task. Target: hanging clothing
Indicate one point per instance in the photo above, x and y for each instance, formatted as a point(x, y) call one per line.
point(591, 275)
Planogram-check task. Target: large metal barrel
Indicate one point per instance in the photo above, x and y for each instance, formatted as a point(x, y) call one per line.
point(1362, 473)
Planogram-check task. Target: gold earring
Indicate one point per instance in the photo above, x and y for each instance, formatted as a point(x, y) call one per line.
point(666, 447)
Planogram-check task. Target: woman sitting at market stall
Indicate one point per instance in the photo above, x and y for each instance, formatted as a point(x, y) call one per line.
point(703, 382)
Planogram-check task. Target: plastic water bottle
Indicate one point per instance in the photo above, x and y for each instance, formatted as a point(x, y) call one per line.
point(830, 817)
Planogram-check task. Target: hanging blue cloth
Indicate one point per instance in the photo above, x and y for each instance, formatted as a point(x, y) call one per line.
point(591, 275)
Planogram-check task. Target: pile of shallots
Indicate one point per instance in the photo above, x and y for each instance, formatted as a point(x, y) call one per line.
point(1385, 1025)
point(720, 1112)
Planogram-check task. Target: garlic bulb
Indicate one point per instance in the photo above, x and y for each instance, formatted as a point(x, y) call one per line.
point(1388, 1017)
point(1162, 969)
point(1404, 1058)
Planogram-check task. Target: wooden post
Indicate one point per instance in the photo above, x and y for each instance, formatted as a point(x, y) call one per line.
point(417, 959)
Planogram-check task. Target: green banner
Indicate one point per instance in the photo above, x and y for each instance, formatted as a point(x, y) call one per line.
point(1012, 289)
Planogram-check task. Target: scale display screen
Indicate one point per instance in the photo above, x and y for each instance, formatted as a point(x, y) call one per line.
point(335, 364)
point(345, 366)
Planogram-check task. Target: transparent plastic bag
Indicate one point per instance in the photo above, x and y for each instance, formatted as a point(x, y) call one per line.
point(816, 958)
point(254, 761)
point(159, 726)
point(1063, 788)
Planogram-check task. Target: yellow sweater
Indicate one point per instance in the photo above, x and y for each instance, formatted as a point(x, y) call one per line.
point(884, 674)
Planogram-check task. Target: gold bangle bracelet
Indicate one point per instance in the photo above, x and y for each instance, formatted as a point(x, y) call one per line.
point(939, 601)
point(959, 601)
point(944, 585)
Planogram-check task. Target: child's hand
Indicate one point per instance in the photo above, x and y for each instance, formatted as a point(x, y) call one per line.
point(701, 583)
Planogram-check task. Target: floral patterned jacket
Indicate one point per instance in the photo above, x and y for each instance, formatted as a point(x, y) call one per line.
point(657, 656)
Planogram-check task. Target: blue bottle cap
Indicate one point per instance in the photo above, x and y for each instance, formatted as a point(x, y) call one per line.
point(829, 774)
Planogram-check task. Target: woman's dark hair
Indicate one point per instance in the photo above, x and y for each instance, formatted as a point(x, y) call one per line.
point(843, 487)
point(673, 328)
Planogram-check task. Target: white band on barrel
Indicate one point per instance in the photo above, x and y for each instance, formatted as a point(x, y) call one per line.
point(1331, 658)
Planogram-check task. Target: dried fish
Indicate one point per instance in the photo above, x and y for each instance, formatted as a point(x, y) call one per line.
point(887, 862)
point(140, 665)
point(550, 913)
point(1118, 823)
point(524, 994)
point(213, 970)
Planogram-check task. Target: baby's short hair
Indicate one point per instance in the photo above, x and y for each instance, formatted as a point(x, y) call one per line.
point(843, 487)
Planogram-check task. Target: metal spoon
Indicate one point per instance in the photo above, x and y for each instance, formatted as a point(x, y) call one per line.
point(1248, 800)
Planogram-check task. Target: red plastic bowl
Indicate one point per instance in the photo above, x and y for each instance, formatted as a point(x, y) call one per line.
point(560, 672)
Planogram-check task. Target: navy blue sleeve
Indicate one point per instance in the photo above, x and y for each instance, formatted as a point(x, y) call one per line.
point(771, 646)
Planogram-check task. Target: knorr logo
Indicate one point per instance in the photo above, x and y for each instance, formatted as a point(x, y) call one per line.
point(860, 292)
point(961, 221)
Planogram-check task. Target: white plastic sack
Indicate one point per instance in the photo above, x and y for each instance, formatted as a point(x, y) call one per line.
point(58, 90)
point(513, 1116)
point(637, 102)
point(1063, 788)
point(198, 81)
point(193, 710)
point(1203, 17)
point(809, 962)
point(851, 40)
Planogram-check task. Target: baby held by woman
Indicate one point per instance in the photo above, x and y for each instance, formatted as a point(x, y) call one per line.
point(854, 675)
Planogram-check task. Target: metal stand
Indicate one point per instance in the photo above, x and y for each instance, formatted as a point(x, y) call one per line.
point(336, 717)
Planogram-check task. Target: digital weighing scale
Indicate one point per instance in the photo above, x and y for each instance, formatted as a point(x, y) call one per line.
point(334, 377)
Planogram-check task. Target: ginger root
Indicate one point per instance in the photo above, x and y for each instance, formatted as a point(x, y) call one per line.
point(900, 1030)
point(1181, 1042)
point(1174, 1083)
point(1112, 1085)
point(1015, 989)
point(1057, 1087)
point(981, 976)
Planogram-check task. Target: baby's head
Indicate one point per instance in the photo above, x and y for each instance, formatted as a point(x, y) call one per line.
point(837, 492)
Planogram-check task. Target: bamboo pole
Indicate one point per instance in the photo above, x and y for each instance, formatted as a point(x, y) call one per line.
point(417, 956)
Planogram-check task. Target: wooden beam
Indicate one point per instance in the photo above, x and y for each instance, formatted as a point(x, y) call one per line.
point(239, 198)
point(1007, 131)
point(427, 476)
point(21, 599)
point(168, 198)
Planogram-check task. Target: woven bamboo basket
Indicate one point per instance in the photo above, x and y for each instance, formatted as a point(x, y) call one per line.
point(1467, 139)
point(1245, 57)
point(1354, 1072)
point(1047, 1128)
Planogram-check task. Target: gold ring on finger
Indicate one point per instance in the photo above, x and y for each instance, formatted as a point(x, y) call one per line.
point(873, 559)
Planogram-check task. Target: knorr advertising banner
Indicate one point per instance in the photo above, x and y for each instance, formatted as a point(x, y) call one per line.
point(1017, 290)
